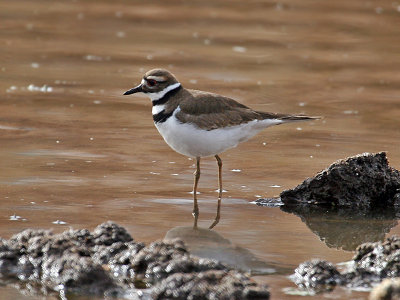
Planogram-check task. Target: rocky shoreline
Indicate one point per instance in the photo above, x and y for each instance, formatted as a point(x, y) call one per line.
point(108, 262)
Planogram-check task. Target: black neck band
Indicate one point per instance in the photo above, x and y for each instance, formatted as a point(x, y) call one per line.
point(162, 116)
point(167, 96)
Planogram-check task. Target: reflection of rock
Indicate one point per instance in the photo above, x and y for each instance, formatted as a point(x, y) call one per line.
point(354, 201)
point(108, 261)
point(209, 244)
point(371, 263)
point(363, 181)
point(345, 228)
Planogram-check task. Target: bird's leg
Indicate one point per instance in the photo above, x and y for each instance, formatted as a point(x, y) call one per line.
point(196, 181)
point(217, 217)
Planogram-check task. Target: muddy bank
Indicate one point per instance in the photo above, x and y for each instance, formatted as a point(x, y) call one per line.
point(372, 263)
point(108, 262)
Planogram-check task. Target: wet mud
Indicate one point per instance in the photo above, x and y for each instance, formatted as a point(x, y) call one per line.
point(109, 263)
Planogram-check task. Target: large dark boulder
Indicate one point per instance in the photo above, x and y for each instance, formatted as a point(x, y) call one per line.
point(363, 181)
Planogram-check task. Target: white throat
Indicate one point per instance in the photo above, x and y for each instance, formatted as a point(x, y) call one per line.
point(160, 94)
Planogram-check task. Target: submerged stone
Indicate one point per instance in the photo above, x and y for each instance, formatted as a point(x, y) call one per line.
point(365, 181)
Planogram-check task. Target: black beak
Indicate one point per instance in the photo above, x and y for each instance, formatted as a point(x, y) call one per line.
point(137, 89)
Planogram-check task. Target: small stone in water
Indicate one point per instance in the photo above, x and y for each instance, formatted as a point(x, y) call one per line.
point(239, 49)
point(59, 222)
point(14, 218)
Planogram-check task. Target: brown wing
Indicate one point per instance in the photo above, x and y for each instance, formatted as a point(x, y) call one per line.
point(210, 111)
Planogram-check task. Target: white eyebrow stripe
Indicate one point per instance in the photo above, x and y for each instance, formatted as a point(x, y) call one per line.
point(157, 78)
point(160, 94)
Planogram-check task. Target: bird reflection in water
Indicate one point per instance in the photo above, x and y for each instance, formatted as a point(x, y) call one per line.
point(207, 243)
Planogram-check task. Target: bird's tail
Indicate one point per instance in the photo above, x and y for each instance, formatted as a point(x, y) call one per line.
point(285, 118)
point(298, 118)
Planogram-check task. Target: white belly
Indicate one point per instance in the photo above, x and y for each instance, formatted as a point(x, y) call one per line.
point(189, 140)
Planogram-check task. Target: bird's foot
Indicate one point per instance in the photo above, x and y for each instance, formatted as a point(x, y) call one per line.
point(216, 221)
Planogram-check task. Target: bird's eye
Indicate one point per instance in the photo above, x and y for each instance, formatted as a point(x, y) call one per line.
point(151, 82)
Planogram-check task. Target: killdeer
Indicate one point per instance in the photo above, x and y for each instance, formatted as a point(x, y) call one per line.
point(200, 124)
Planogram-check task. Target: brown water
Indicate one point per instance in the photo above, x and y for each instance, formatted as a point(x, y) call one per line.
point(73, 149)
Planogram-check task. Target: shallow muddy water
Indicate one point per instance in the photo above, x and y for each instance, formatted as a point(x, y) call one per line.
point(75, 152)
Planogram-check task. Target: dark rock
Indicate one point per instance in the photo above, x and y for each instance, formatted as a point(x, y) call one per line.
point(161, 259)
point(71, 260)
point(70, 241)
point(104, 254)
point(9, 257)
point(371, 263)
point(381, 259)
point(108, 262)
point(317, 275)
point(30, 241)
point(363, 181)
point(218, 285)
point(109, 233)
point(158, 252)
point(121, 264)
point(75, 272)
point(184, 264)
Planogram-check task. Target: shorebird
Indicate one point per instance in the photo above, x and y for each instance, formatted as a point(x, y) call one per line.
point(201, 124)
